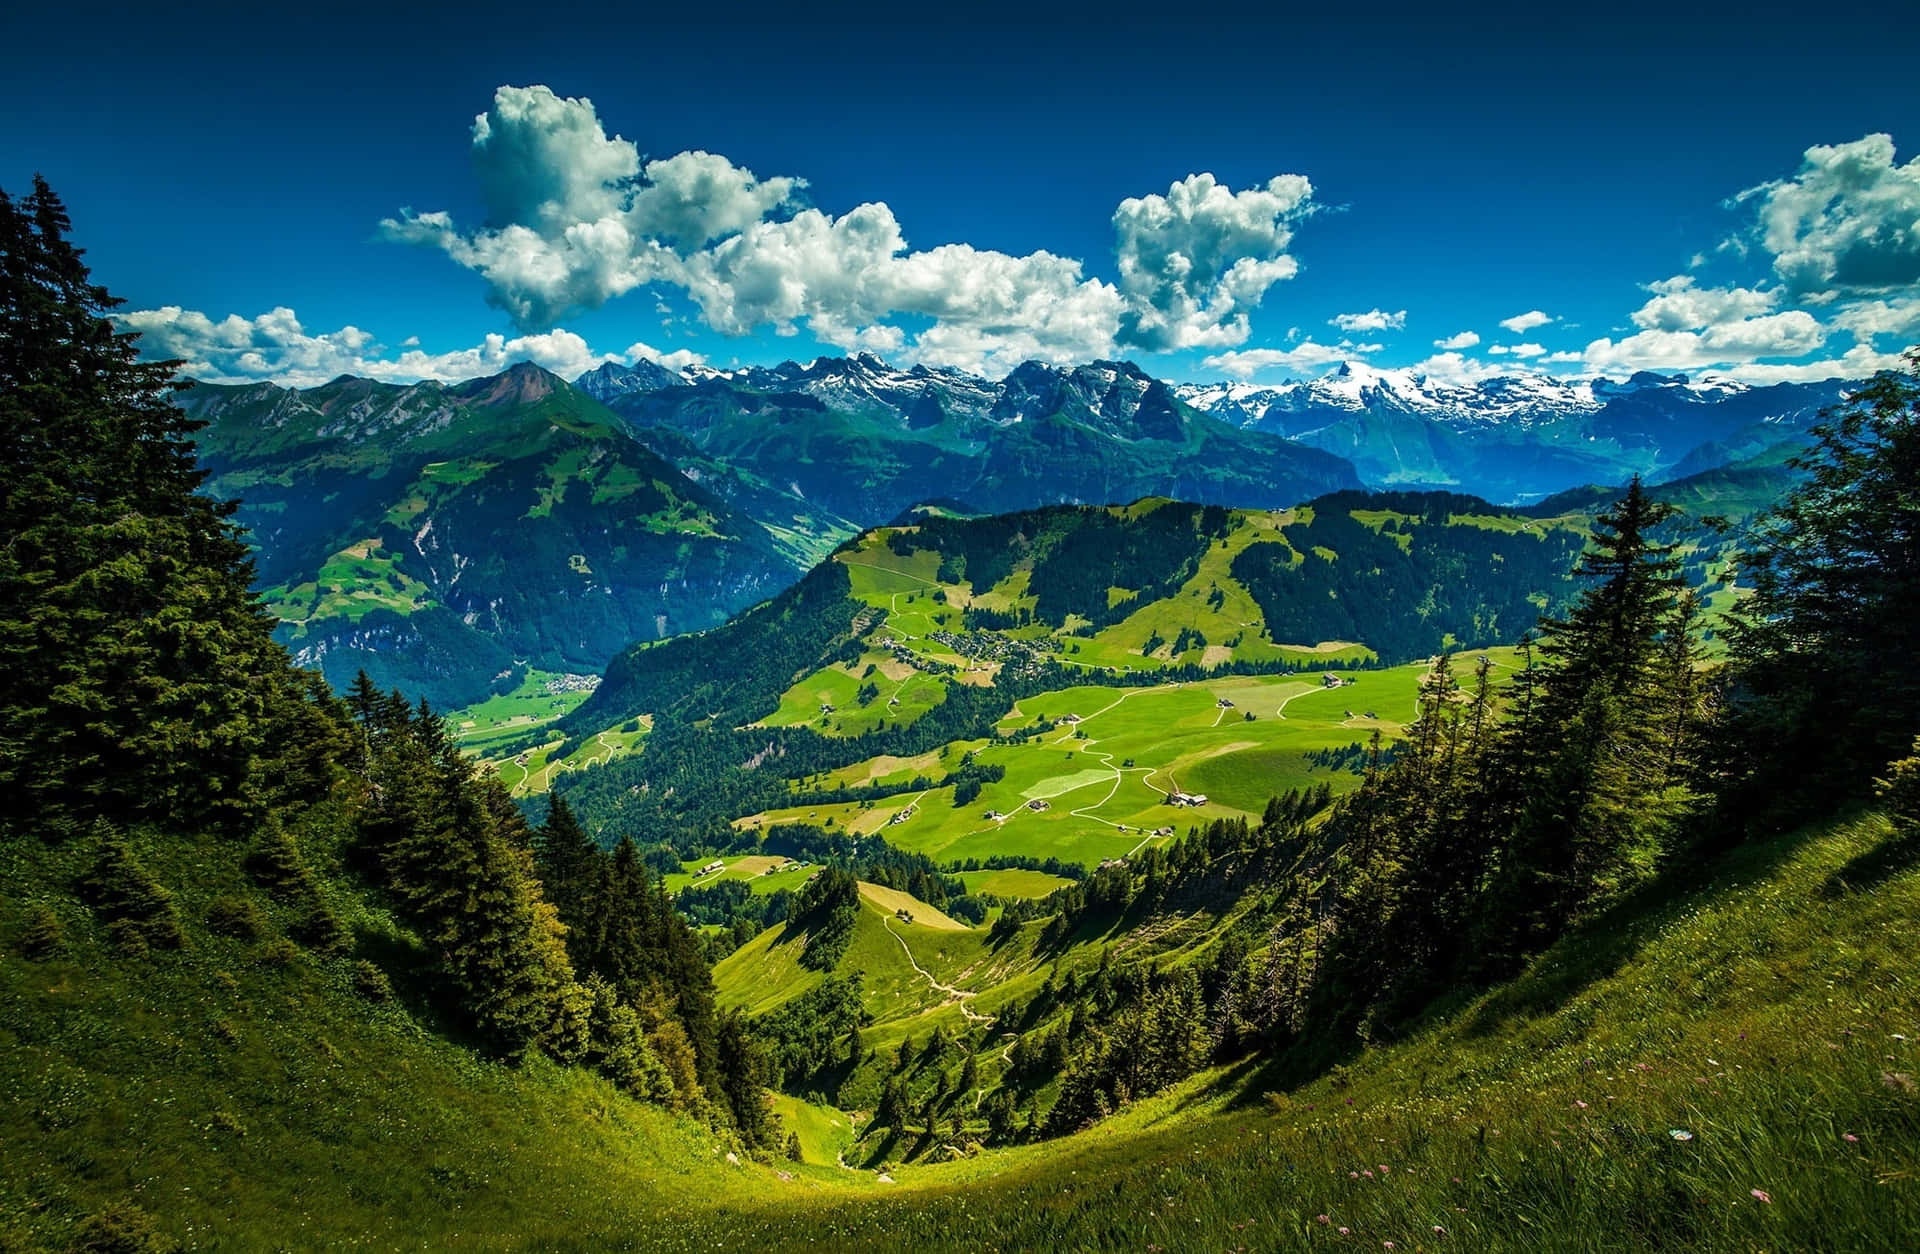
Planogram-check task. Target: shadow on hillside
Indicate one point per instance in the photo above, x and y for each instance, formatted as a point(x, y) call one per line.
point(1594, 951)
point(1599, 948)
point(1874, 867)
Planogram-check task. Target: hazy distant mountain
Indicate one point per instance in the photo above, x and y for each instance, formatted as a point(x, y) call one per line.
point(1521, 437)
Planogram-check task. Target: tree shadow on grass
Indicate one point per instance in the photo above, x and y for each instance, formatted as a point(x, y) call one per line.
point(1873, 867)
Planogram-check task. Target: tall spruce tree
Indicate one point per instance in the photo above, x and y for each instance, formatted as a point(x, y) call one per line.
point(138, 676)
point(1588, 757)
point(1827, 689)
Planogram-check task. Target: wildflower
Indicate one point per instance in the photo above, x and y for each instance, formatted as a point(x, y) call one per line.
point(1851, 1139)
point(1438, 1231)
point(1680, 1134)
point(1761, 1195)
point(1345, 1231)
point(1353, 1175)
point(1577, 1102)
point(1386, 1245)
point(1368, 1173)
point(1383, 1169)
point(1323, 1219)
point(1456, 1179)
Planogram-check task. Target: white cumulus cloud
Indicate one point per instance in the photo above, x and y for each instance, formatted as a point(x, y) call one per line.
point(1194, 261)
point(1738, 341)
point(1848, 223)
point(576, 219)
point(1521, 351)
point(1306, 357)
point(1372, 320)
point(1680, 304)
point(275, 346)
point(1520, 324)
point(1459, 340)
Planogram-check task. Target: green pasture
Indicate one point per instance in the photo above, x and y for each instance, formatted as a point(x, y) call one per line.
point(1013, 883)
point(823, 1132)
point(1104, 780)
point(508, 714)
point(763, 873)
point(351, 584)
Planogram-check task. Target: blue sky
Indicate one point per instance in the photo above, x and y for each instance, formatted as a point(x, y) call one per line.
point(984, 187)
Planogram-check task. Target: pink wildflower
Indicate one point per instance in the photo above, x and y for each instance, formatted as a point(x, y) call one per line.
point(1345, 1231)
point(1851, 1138)
point(1384, 1169)
point(1353, 1175)
point(1323, 1219)
point(1386, 1245)
point(1582, 1105)
point(1761, 1194)
point(1368, 1173)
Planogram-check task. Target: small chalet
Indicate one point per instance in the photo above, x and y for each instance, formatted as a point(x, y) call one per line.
point(1039, 803)
point(1188, 799)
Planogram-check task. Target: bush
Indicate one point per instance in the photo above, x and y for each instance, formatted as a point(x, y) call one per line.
point(320, 929)
point(122, 1229)
point(237, 917)
point(278, 952)
point(1899, 792)
point(371, 982)
point(43, 937)
point(138, 912)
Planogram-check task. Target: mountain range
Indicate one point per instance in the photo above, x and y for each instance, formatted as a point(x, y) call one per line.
point(445, 537)
point(1510, 439)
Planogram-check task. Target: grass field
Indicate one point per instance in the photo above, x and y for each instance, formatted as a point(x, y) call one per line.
point(541, 698)
point(1102, 783)
point(1013, 883)
point(763, 873)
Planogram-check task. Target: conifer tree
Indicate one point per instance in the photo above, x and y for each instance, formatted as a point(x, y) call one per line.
point(1826, 689)
point(568, 862)
point(137, 674)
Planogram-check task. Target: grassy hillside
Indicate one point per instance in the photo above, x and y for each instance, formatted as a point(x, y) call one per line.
point(1766, 1012)
point(923, 637)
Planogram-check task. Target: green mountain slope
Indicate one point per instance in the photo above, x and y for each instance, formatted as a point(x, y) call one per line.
point(919, 636)
point(442, 537)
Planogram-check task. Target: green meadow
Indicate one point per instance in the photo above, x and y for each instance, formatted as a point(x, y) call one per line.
point(1098, 787)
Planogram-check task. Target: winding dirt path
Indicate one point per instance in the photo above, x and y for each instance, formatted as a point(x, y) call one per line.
point(956, 995)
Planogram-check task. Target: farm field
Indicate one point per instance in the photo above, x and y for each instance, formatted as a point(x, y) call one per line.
point(542, 697)
point(1095, 785)
point(532, 771)
point(764, 873)
point(1013, 883)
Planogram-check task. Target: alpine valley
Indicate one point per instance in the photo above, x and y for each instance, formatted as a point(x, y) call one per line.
point(1146, 745)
